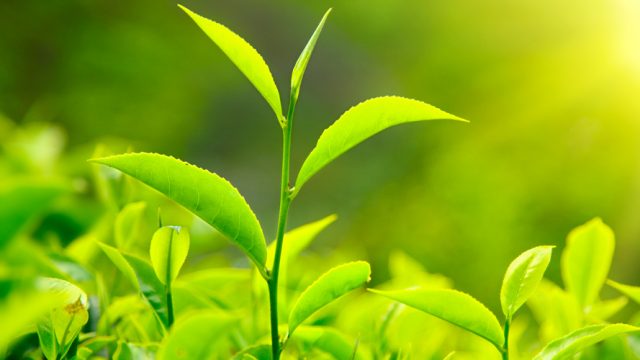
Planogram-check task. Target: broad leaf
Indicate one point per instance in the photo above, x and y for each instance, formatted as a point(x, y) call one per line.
point(168, 250)
point(142, 276)
point(303, 60)
point(194, 337)
point(633, 292)
point(360, 123)
point(328, 287)
point(205, 194)
point(522, 278)
point(325, 339)
point(566, 347)
point(453, 306)
point(128, 224)
point(245, 58)
point(586, 260)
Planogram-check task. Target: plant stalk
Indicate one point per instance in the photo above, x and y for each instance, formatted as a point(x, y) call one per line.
point(169, 307)
point(505, 347)
point(285, 201)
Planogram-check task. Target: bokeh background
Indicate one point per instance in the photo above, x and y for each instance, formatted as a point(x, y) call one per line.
point(551, 88)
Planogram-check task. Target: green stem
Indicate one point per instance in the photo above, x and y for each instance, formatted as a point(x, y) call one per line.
point(169, 307)
point(285, 201)
point(505, 347)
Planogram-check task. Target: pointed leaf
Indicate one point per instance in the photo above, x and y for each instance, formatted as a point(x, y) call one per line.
point(586, 260)
point(303, 60)
point(205, 194)
point(567, 346)
point(168, 250)
point(244, 57)
point(142, 276)
point(298, 239)
point(633, 292)
point(151, 288)
point(194, 337)
point(360, 123)
point(331, 285)
point(522, 278)
point(453, 306)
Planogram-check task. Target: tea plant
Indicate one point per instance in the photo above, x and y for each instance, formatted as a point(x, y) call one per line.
point(217, 202)
point(141, 284)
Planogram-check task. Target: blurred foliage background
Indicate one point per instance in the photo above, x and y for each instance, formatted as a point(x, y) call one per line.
point(551, 89)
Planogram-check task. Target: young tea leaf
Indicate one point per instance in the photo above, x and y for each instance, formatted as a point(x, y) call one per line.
point(360, 123)
point(205, 194)
point(566, 347)
point(522, 277)
point(586, 260)
point(303, 60)
point(453, 306)
point(169, 248)
point(633, 292)
point(331, 285)
point(244, 57)
point(194, 337)
point(141, 274)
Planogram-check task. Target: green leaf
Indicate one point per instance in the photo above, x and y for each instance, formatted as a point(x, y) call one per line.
point(522, 278)
point(194, 337)
point(244, 57)
point(453, 306)
point(127, 225)
point(205, 194)
point(141, 274)
point(169, 248)
point(325, 339)
point(633, 292)
point(331, 285)
point(298, 239)
point(303, 60)
point(586, 260)
point(59, 328)
point(360, 123)
point(566, 347)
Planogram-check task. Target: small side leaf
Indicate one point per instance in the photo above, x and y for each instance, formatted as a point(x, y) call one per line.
point(168, 250)
point(143, 277)
point(362, 122)
point(633, 292)
point(205, 194)
point(303, 60)
point(244, 57)
point(453, 306)
point(586, 260)
point(522, 277)
point(194, 337)
point(567, 346)
point(331, 285)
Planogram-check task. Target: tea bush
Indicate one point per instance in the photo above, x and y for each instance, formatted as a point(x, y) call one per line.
point(151, 276)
